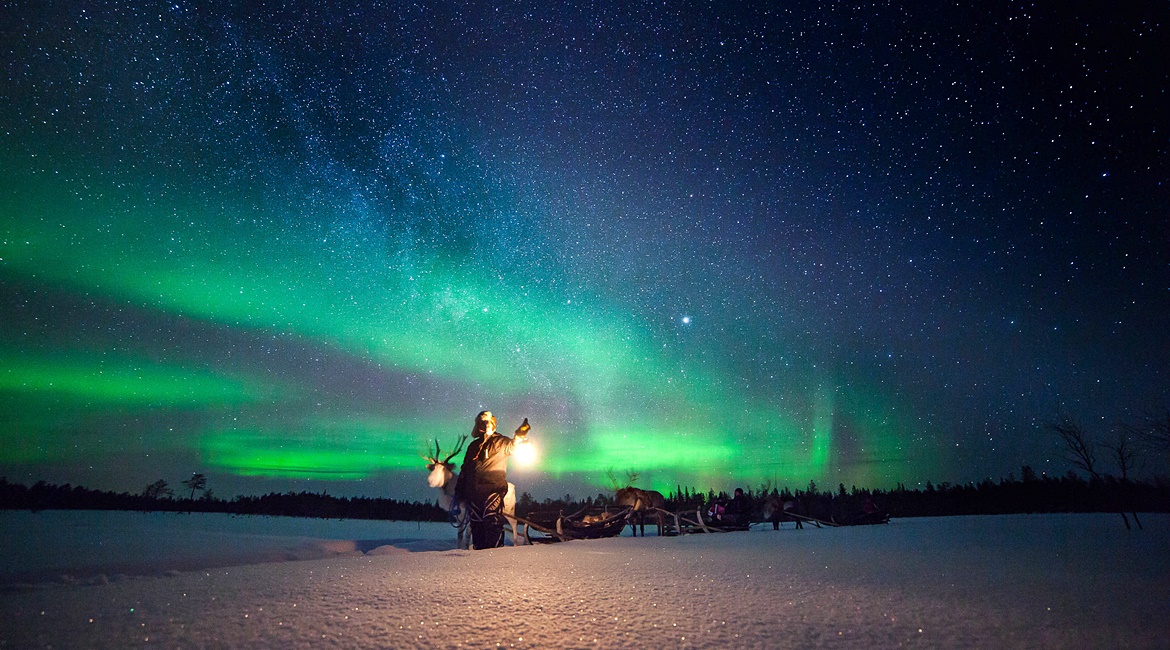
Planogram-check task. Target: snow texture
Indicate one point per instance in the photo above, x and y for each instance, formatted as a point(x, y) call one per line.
point(123, 580)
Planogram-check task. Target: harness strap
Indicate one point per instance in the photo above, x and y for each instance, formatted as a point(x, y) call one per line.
point(457, 514)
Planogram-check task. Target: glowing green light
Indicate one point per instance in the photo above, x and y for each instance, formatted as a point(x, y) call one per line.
point(99, 382)
point(278, 454)
point(336, 449)
point(638, 405)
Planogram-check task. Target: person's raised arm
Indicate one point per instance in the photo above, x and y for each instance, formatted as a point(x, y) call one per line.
point(522, 430)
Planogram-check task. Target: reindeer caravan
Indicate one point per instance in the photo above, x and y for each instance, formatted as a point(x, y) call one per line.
point(479, 497)
point(480, 500)
point(459, 496)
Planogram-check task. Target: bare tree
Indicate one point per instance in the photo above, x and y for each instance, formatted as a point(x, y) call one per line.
point(1077, 444)
point(197, 482)
point(158, 490)
point(1123, 453)
point(1153, 431)
point(1079, 447)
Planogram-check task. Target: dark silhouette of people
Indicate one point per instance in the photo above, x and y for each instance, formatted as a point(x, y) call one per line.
point(871, 513)
point(737, 513)
point(483, 479)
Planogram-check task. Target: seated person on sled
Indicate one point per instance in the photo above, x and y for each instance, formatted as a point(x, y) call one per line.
point(735, 513)
point(738, 512)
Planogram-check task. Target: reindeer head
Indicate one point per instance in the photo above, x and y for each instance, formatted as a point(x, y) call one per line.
point(440, 470)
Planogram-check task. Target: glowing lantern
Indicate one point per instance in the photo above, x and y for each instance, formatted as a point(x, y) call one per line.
point(524, 454)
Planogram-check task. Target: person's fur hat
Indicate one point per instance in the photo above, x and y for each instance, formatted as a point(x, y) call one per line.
point(480, 425)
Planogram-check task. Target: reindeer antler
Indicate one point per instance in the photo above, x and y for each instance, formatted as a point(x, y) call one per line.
point(432, 456)
point(458, 448)
point(613, 479)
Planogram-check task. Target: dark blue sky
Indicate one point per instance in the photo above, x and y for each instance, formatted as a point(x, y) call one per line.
point(285, 243)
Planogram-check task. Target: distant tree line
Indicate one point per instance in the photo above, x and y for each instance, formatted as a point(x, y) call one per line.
point(1032, 493)
point(158, 497)
point(1100, 491)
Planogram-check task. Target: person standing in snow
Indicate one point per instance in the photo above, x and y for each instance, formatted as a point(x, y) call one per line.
point(483, 479)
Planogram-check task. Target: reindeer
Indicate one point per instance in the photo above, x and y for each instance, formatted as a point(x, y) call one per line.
point(778, 509)
point(640, 500)
point(444, 477)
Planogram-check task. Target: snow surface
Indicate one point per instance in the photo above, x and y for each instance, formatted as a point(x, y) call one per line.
point(116, 580)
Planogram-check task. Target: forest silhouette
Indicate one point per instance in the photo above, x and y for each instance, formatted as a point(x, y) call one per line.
point(1031, 493)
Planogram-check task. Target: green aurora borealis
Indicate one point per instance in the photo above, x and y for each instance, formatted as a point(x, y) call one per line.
point(604, 394)
point(286, 246)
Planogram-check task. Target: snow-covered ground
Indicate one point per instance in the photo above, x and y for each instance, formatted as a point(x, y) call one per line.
point(93, 545)
point(93, 580)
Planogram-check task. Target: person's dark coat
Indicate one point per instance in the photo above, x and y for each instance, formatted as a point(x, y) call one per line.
point(485, 466)
point(738, 511)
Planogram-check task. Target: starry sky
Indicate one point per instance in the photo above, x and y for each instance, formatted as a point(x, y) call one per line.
point(714, 244)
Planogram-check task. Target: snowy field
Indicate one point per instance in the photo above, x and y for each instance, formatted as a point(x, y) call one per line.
point(117, 580)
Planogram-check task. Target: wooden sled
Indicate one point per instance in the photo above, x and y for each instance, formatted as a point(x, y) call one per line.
point(684, 523)
point(579, 525)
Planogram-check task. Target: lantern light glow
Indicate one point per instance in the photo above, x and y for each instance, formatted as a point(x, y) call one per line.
point(525, 454)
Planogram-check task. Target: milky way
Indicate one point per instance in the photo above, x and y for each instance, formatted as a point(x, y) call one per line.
point(285, 244)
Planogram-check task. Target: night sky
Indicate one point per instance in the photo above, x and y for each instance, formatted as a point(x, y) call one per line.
point(717, 244)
